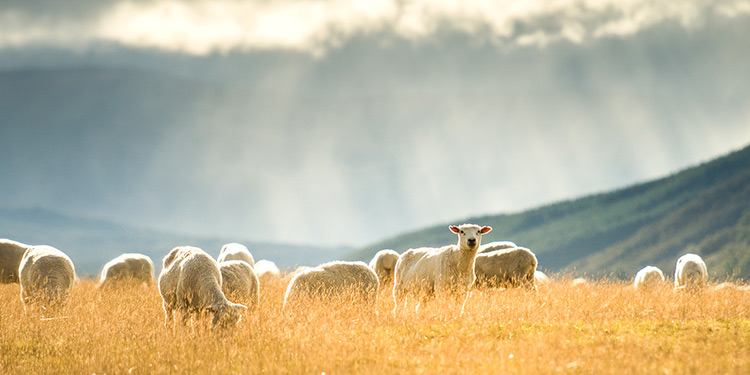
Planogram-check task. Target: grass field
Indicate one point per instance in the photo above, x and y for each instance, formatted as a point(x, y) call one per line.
point(602, 327)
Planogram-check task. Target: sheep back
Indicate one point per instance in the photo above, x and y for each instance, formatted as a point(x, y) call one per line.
point(690, 272)
point(506, 268)
point(128, 267)
point(648, 277)
point(235, 251)
point(239, 283)
point(349, 281)
point(384, 265)
point(497, 245)
point(266, 270)
point(11, 253)
point(46, 276)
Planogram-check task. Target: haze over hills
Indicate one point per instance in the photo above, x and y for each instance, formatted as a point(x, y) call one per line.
point(369, 138)
point(703, 209)
point(91, 243)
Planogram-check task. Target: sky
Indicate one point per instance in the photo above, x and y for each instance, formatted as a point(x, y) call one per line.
point(347, 122)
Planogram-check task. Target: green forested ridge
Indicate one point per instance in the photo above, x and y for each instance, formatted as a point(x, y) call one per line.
point(703, 209)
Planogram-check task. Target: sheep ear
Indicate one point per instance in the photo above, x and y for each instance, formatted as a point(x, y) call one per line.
point(454, 229)
point(485, 230)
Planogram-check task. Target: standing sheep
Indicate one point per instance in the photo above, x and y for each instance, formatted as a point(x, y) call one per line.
point(497, 245)
point(506, 268)
point(128, 267)
point(239, 283)
point(351, 281)
point(690, 273)
point(267, 271)
point(235, 251)
point(427, 271)
point(384, 264)
point(648, 277)
point(11, 253)
point(46, 275)
point(190, 281)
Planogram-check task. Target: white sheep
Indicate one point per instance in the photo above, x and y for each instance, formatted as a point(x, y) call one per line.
point(190, 281)
point(427, 271)
point(128, 267)
point(11, 253)
point(648, 277)
point(266, 270)
point(506, 268)
point(350, 281)
point(239, 283)
point(497, 245)
point(690, 273)
point(384, 265)
point(46, 275)
point(235, 251)
point(540, 278)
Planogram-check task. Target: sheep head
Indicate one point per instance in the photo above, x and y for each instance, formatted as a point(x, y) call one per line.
point(469, 235)
point(226, 314)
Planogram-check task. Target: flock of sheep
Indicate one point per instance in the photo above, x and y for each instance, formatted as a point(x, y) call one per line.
point(193, 283)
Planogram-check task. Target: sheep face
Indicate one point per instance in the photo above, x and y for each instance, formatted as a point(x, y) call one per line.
point(469, 235)
point(226, 315)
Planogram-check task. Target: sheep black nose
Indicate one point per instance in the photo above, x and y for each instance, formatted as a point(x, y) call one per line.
point(472, 241)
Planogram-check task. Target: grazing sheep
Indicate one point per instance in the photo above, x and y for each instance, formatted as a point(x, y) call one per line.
point(690, 273)
point(506, 268)
point(384, 264)
point(540, 278)
point(239, 283)
point(46, 275)
point(11, 253)
point(235, 251)
point(351, 281)
point(190, 281)
point(427, 271)
point(266, 271)
point(579, 282)
point(497, 245)
point(128, 267)
point(648, 277)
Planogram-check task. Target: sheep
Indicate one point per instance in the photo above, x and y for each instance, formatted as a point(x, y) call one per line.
point(648, 277)
point(239, 282)
point(690, 273)
point(128, 267)
point(425, 272)
point(384, 265)
point(266, 270)
point(540, 278)
point(352, 281)
point(190, 281)
point(506, 268)
point(497, 245)
point(46, 275)
point(235, 251)
point(579, 282)
point(11, 253)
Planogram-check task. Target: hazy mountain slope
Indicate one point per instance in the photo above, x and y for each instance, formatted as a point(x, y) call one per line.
point(91, 243)
point(704, 209)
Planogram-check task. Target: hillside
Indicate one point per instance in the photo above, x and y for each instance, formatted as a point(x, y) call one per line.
point(91, 243)
point(703, 209)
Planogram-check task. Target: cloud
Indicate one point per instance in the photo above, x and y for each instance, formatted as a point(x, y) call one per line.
point(204, 27)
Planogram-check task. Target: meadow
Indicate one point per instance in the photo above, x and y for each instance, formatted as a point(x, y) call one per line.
point(600, 327)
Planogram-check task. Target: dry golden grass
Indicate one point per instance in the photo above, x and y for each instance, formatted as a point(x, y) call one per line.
point(603, 327)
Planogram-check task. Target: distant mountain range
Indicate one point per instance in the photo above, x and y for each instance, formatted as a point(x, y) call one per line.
point(91, 243)
point(704, 209)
